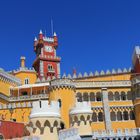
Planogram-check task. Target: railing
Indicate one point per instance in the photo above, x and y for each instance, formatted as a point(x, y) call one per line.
point(4, 97)
point(50, 57)
point(111, 134)
point(125, 83)
point(27, 97)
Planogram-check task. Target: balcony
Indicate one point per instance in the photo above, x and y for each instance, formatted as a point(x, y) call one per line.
point(27, 97)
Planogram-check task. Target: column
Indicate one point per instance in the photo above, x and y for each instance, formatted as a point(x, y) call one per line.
point(44, 90)
point(31, 92)
point(106, 109)
point(58, 70)
point(18, 92)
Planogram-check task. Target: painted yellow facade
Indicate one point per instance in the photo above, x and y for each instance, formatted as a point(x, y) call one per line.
point(114, 96)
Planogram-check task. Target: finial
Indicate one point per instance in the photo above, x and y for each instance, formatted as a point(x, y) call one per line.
point(40, 32)
point(54, 34)
point(35, 39)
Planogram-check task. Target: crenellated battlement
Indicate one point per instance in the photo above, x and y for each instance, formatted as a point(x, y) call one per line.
point(128, 133)
point(5, 76)
point(60, 83)
point(81, 108)
point(16, 105)
point(44, 109)
point(23, 69)
point(97, 73)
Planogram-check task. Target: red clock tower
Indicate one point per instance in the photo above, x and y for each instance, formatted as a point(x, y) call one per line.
point(47, 63)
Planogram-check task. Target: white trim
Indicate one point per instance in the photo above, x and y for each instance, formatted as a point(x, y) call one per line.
point(32, 85)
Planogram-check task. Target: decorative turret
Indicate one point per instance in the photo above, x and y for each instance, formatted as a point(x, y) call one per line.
point(40, 35)
point(80, 117)
point(47, 63)
point(63, 90)
point(45, 121)
point(22, 62)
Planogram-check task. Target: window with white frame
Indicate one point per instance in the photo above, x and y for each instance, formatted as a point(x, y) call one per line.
point(26, 81)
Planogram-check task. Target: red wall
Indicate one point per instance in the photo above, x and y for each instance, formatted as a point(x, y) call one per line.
point(11, 129)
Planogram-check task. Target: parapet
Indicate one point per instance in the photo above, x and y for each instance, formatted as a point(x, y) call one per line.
point(81, 108)
point(129, 133)
point(44, 109)
point(56, 83)
point(69, 134)
point(97, 73)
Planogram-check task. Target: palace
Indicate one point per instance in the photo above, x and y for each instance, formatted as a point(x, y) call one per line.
point(100, 105)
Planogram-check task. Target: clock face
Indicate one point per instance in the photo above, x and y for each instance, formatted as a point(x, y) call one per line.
point(48, 48)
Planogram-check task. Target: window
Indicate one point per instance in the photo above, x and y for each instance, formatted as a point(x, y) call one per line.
point(100, 116)
point(79, 97)
point(110, 96)
point(26, 81)
point(94, 117)
point(60, 102)
point(24, 93)
point(132, 115)
point(85, 97)
point(123, 96)
point(125, 115)
point(113, 116)
point(119, 116)
point(50, 67)
point(98, 96)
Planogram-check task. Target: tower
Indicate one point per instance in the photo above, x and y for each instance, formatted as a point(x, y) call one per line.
point(63, 90)
point(135, 79)
point(47, 63)
point(45, 120)
point(80, 117)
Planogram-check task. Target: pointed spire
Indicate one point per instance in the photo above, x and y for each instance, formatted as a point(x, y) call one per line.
point(54, 34)
point(35, 39)
point(40, 32)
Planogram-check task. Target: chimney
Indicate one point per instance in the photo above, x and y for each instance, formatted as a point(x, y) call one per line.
point(22, 62)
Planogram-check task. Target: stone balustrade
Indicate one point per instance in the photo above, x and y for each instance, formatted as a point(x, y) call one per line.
point(109, 135)
point(32, 97)
point(80, 84)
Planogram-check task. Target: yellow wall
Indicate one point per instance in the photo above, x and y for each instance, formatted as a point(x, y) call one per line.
point(5, 87)
point(20, 114)
point(107, 77)
point(22, 75)
point(67, 95)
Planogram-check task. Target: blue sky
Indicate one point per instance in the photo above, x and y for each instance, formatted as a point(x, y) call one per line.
point(93, 34)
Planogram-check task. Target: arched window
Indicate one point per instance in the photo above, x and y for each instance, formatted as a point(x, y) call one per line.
point(60, 102)
point(94, 117)
point(123, 96)
point(100, 116)
point(132, 115)
point(79, 97)
point(85, 97)
point(50, 67)
point(117, 96)
point(92, 96)
point(98, 96)
point(110, 96)
point(119, 116)
point(113, 116)
point(125, 115)
point(129, 95)
point(26, 81)
point(62, 126)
